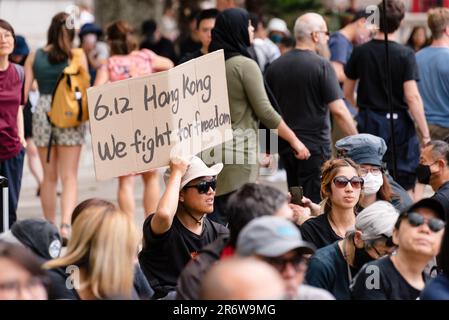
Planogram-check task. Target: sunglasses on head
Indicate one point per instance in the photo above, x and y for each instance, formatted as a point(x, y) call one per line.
point(204, 186)
point(416, 220)
point(341, 182)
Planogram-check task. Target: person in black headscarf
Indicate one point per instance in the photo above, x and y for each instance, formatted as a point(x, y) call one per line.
point(248, 104)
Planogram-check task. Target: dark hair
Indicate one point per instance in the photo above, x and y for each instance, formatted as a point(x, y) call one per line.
point(443, 257)
point(91, 203)
point(5, 25)
point(361, 14)
point(439, 149)
point(148, 28)
point(288, 41)
point(22, 257)
point(395, 12)
point(121, 38)
point(249, 202)
point(60, 38)
point(206, 14)
point(412, 34)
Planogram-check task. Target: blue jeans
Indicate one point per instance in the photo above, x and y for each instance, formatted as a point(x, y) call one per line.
point(12, 170)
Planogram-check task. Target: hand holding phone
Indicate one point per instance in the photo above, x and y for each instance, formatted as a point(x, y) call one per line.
point(297, 194)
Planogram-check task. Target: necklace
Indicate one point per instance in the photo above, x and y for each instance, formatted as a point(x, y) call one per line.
point(198, 221)
point(334, 227)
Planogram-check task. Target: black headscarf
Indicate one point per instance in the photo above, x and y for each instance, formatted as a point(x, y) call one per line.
point(231, 33)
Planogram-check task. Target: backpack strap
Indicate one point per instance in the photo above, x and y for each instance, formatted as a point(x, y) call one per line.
point(20, 71)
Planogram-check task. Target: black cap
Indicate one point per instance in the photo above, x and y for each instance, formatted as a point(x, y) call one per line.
point(428, 203)
point(40, 236)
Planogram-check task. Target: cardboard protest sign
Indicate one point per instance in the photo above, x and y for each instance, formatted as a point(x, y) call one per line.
point(137, 123)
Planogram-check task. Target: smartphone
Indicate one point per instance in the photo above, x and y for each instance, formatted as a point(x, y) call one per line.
point(297, 194)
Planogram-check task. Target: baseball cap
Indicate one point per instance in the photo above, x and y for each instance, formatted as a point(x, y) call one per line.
point(363, 148)
point(90, 28)
point(21, 48)
point(271, 236)
point(277, 24)
point(197, 168)
point(376, 220)
point(40, 236)
point(428, 203)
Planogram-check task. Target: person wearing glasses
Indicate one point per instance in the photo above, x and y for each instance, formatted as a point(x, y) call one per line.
point(417, 233)
point(341, 187)
point(438, 288)
point(179, 228)
point(367, 151)
point(307, 91)
point(278, 242)
point(21, 277)
point(334, 266)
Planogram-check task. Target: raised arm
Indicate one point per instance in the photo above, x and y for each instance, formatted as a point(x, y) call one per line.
point(168, 204)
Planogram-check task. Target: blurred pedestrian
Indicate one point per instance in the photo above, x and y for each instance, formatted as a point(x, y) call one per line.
point(125, 62)
point(12, 137)
point(46, 65)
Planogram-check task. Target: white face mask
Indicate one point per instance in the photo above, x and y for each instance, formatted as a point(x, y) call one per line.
point(372, 183)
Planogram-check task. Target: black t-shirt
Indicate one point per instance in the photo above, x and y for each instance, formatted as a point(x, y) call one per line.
point(303, 84)
point(163, 47)
point(318, 231)
point(189, 45)
point(190, 56)
point(380, 280)
point(442, 195)
point(328, 270)
point(367, 63)
point(164, 256)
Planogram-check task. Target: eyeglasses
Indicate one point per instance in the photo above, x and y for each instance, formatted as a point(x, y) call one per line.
point(327, 33)
point(374, 171)
point(204, 186)
point(341, 182)
point(416, 220)
point(298, 262)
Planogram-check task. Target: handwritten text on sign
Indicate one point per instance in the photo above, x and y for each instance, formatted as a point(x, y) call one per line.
point(137, 123)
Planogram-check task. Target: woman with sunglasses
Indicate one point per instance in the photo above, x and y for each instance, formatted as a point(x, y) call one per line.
point(179, 228)
point(341, 187)
point(334, 266)
point(417, 233)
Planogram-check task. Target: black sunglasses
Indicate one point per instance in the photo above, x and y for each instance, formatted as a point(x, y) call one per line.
point(341, 182)
point(204, 186)
point(298, 262)
point(416, 220)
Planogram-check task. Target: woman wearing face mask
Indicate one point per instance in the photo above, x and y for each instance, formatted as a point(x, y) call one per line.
point(367, 151)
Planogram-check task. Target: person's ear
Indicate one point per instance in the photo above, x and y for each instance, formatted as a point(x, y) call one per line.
point(395, 236)
point(181, 195)
point(359, 243)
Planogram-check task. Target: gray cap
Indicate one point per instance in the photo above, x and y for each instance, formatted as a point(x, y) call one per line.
point(363, 148)
point(376, 220)
point(271, 236)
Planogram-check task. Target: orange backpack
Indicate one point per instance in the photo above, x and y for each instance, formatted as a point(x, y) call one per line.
point(69, 102)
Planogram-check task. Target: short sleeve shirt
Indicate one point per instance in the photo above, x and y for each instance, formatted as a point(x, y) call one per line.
point(137, 63)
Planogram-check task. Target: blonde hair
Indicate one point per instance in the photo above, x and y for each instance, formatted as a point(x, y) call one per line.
point(104, 244)
point(329, 171)
point(438, 20)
